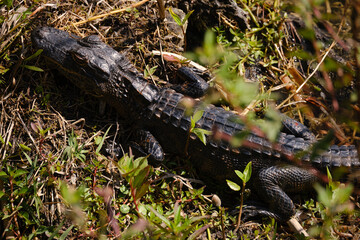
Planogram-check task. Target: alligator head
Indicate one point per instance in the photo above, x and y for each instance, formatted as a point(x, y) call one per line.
point(95, 67)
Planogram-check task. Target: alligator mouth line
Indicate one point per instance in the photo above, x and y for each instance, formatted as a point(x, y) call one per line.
point(68, 73)
point(56, 65)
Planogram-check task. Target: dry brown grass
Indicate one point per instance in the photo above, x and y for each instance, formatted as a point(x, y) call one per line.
point(40, 110)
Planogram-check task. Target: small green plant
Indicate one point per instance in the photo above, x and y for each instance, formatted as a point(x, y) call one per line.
point(73, 198)
point(180, 227)
point(181, 22)
point(245, 177)
point(333, 200)
point(74, 150)
point(149, 71)
point(31, 67)
point(199, 132)
point(136, 172)
point(100, 141)
point(21, 204)
point(8, 3)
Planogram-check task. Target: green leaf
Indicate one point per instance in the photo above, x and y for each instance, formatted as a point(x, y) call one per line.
point(33, 68)
point(142, 190)
point(141, 162)
point(342, 194)
point(38, 52)
point(233, 186)
point(125, 209)
point(192, 124)
point(197, 115)
point(3, 70)
point(42, 132)
point(190, 223)
point(245, 176)
point(64, 235)
point(271, 124)
point(125, 165)
point(88, 178)
point(209, 43)
point(200, 133)
point(197, 192)
point(97, 140)
point(102, 141)
point(240, 175)
point(23, 190)
point(9, 3)
point(247, 172)
point(187, 16)
point(324, 195)
point(140, 177)
point(20, 172)
point(24, 147)
point(56, 231)
point(3, 174)
point(177, 216)
point(161, 217)
point(176, 17)
point(149, 71)
point(329, 175)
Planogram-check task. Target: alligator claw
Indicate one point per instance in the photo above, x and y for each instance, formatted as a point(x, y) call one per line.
point(255, 211)
point(145, 144)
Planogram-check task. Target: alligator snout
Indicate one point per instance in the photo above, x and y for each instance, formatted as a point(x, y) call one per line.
point(42, 37)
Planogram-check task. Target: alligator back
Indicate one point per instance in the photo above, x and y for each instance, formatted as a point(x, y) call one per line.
point(166, 119)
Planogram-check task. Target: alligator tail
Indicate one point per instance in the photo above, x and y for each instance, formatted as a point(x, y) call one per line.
point(338, 156)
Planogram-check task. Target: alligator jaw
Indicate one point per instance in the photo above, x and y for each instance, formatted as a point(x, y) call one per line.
point(95, 67)
point(58, 47)
point(55, 43)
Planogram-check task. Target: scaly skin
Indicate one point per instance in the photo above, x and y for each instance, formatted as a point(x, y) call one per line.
point(105, 73)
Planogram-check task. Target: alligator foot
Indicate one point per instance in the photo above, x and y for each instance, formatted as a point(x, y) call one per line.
point(272, 183)
point(191, 84)
point(253, 211)
point(143, 143)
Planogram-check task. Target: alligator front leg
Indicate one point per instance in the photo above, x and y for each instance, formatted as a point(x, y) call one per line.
point(191, 84)
point(144, 143)
point(272, 183)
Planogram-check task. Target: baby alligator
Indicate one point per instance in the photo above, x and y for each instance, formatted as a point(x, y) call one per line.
point(161, 123)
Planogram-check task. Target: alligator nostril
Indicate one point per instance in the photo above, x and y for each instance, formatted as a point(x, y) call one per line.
point(38, 34)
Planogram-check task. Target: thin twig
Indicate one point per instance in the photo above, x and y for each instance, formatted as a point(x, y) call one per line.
point(180, 58)
point(309, 77)
point(28, 132)
point(161, 6)
point(241, 206)
point(111, 12)
point(296, 227)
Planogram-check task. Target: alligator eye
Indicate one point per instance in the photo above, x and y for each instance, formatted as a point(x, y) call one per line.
point(91, 41)
point(81, 60)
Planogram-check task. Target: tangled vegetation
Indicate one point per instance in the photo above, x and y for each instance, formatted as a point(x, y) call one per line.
point(60, 177)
